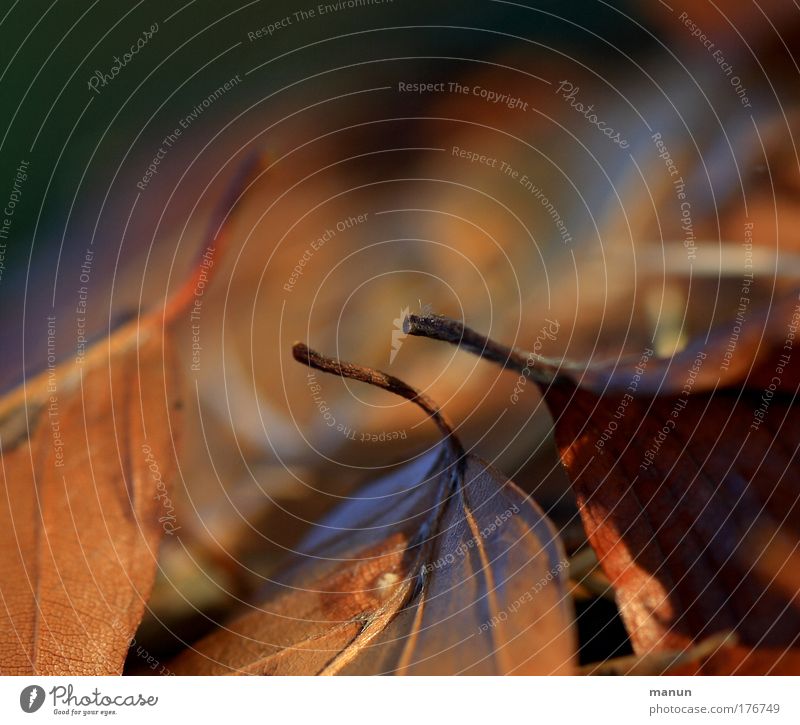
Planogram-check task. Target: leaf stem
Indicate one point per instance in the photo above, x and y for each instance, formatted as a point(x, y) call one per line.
point(453, 457)
point(304, 354)
point(438, 327)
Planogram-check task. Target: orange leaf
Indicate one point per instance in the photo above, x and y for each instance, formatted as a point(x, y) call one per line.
point(88, 453)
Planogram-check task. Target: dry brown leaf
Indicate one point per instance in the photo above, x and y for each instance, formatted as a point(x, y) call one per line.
point(86, 455)
point(442, 567)
point(88, 452)
point(690, 502)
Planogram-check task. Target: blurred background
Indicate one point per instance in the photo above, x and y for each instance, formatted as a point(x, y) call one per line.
point(611, 171)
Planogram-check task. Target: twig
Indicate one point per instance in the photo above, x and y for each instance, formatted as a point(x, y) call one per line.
point(438, 327)
point(302, 353)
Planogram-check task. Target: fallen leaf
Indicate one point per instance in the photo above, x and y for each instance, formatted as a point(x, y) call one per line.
point(88, 454)
point(441, 567)
point(672, 506)
point(690, 501)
